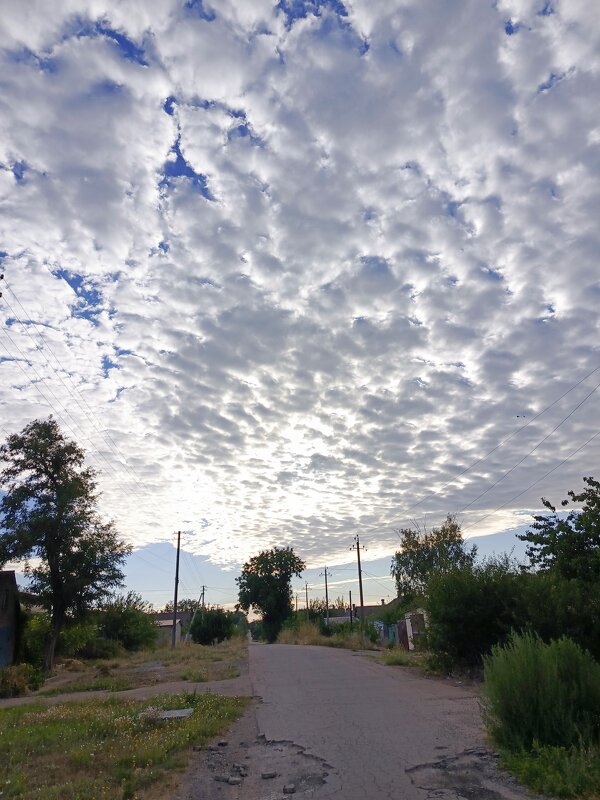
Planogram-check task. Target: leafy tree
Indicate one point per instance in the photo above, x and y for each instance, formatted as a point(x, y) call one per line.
point(185, 604)
point(212, 624)
point(48, 513)
point(126, 619)
point(569, 546)
point(424, 553)
point(265, 585)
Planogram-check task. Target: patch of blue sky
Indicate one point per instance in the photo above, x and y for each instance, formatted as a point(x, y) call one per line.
point(547, 9)
point(44, 63)
point(18, 169)
point(300, 9)
point(107, 365)
point(492, 273)
point(164, 246)
point(244, 131)
point(510, 27)
point(127, 48)
point(169, 105)
point(90, 299)
point(197, 8)
point(548, 84)
point(178, 167)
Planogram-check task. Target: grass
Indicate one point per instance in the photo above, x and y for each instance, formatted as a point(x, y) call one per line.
point(308, 633)
point(101, 750)
point(557, 771)
point(107, 684)
point(191, 662)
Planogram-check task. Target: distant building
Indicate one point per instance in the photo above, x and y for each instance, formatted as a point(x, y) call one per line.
point(165, 631)
point(9, 617)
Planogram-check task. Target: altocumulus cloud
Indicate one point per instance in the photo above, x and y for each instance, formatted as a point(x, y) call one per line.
point(286, 270)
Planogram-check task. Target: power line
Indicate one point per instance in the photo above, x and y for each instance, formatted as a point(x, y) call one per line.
point(435, 493)
point(531, 485)
point(533, 449)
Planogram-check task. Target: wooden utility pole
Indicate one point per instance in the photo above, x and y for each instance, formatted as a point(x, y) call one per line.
point(306, 590)
point(174, 634)
point(360, 586)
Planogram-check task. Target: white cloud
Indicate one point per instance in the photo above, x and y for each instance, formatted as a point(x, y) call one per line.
point(320, 266)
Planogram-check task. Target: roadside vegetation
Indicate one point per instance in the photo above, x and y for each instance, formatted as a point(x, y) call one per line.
point(112, 748)
point(352, 637)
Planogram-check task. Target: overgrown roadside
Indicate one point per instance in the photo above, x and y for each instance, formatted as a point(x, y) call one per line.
point(92, 745)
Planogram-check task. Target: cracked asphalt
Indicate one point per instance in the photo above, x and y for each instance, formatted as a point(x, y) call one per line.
point(378, 732)
point(328, 723)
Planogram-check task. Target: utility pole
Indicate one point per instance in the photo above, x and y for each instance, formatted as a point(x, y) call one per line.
point(306, 590)
point(350, 603)
point(360, 586)
point(174, 634)
point(296, 602)
point(326, 594)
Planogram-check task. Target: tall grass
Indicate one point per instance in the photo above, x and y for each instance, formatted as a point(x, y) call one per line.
point(539, 694)
point(309, 633)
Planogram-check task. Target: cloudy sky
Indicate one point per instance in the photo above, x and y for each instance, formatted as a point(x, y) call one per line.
point(295, 271)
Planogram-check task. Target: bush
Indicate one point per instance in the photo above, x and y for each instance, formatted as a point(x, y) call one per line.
point(125, 619)
point(212, 625)
point(539, 695)
point(472, 609)
point(19, 680)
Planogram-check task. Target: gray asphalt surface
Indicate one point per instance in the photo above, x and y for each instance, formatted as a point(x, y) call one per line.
point(379, 732)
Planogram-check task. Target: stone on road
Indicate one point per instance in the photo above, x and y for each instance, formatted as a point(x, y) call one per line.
point(381, 733)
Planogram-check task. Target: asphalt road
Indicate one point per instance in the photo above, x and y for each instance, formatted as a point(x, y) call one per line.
point(375, 732)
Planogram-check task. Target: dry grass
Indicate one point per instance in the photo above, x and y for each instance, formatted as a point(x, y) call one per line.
point(191, 662)
point(308, 633)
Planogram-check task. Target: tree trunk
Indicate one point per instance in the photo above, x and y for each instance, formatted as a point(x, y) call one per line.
point(57, 623)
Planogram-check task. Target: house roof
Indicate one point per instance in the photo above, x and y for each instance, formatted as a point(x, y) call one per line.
point(182, 616)
point(167, 623)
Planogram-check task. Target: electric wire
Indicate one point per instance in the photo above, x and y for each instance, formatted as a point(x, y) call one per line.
point(533, 449)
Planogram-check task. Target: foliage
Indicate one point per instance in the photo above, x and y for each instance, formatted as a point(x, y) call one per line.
point(183, 604)
point(75, 638)
point(353, 637)
point(125, 619)
point(569, 546)
point(19, 679)
point(557, 771)
point(554, 606)
point(99, 749)
point(425, 553)
point(49, 513)
point(265, 585)
point(212, 624)
point(539, 694)
point(471, 609)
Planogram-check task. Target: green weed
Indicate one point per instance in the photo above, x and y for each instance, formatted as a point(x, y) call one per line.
point(101, 750)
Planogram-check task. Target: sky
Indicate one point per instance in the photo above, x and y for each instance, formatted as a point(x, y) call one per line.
point(300, 271)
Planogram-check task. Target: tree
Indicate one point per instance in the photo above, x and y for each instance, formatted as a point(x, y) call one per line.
point(569, 546)
point(265, 585)
point(185, 604)
point(424, 553)
point(48, 513)
point(212, 624)
point(126, 619)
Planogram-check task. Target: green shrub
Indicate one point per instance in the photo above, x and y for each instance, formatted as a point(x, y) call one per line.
point(19, 679)
point(472, 609)
point(212, 625)
point(34, 637)
point(75, 637)
point(125, 619)
point(539, 695)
